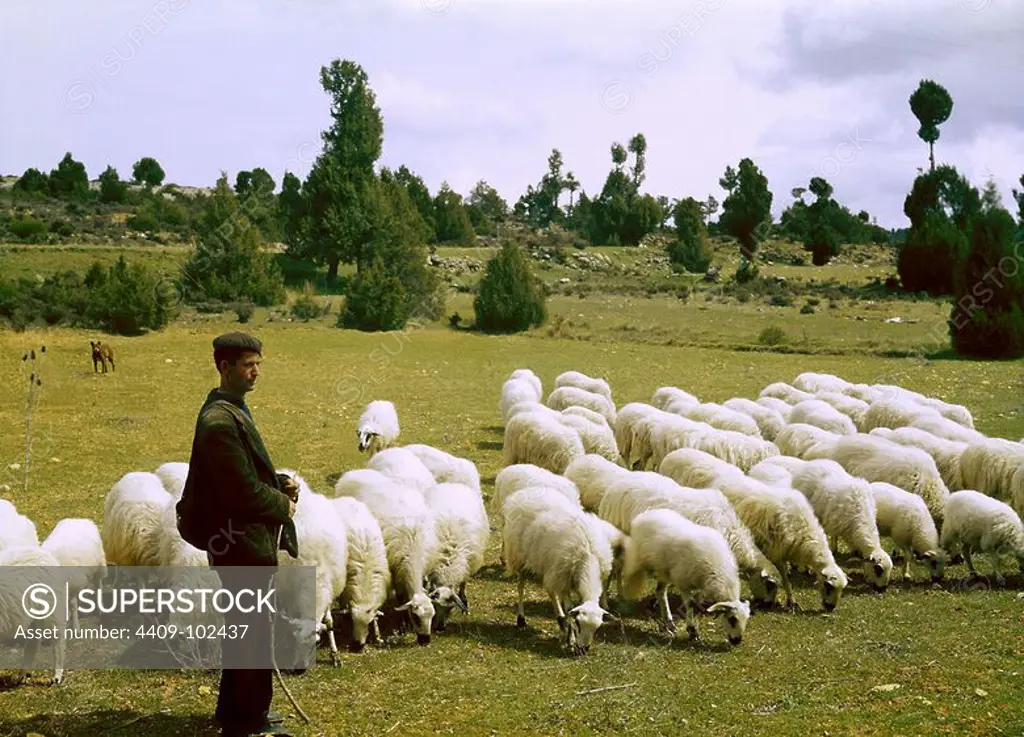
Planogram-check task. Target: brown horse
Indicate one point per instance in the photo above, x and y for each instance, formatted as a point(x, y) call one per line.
point(101, 354)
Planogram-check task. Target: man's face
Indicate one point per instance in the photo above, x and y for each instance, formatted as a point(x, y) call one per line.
point(241, 376)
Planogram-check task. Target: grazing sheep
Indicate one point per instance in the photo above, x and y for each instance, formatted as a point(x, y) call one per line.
point(514, 391)
point(694, 468)
point(368, 578)
point(786, 530)
point(378, 427)
point(531, 406)
point(632, 430)
point(13, 613)
point(947, 429)
point(445, 467)
point(76, 544)
point(569, 396)
point(568, 551)
point(592, 474)
point(783, 408)
point(772, 474)
point(976, 522)
point(404, 467)
point(822, 414)
point(945, 453)
point(666, 395)
point(525, 475)
point(15, 528)
point(818, 383)
point(407, 525)
point(692, 558)
point(796, 439)
point(173, 476)
point(718, 416)
point(100, 355)
point(133, 514)
point(668, 433)
point(323, 544)
point(769, 421)
point(462, 530)
point(904, 517)
point(587, 383)
point(954, 412)
point(643, 490)
point(737, 449)
point(528, 375)
point(172, 550)
point(846, 509)
point(876, 459)
point(785, 392)
point(597, 437)
point(989, 467)
point(894, 413)
point(535, 438)
point(852, 407)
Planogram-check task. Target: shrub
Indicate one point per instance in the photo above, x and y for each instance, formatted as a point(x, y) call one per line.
point(781, 300)
point(772, 336)
point(748, 271)
point(454, 320)
point(925, 261)
point(26, 227)
point(813, 301)
point(244, 311)
point(306, 307)
point(375, 300)
point(807, 309)
point(510, 298)
point(691, 248)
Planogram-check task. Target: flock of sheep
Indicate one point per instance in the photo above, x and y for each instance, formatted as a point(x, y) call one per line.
point(699, 496)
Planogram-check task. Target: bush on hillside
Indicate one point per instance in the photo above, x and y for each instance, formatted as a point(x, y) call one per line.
point(375, 300)
point(510, 298)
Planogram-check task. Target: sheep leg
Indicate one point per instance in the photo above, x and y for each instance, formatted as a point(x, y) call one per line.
point(562, 621)
point(788, 586)
point(995, 569)
point(462, 595)
point(59, 649)
point(666, 613)
point(691, 618)
point(521, 616)
point(375, 630)
point(329, 624)
point(28, 658)
point(906, 564)
point(74, 613)
point(967, 559)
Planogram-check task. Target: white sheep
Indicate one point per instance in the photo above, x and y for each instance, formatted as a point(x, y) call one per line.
point(786, 530)
point(852, 407)
point(173, 476)
point(817, 383)
point(976, 522)
point(520, 476)
point(894, 413)
point(13, 613)
point(404, 467)
point(407, 525)
point(954, 412)
point(378, 426)
point(514, 391)
point(567, 550)
point(587, 383)
point(989, 467)
point(737, 449)
point(769, 421)
point(368, 578)
point(445, 467)
point(544, 441)
point(694, 468)
point(665, 395)
point(462, 531)
point(692, 558)
point(785, 392)
point(632, 425)
point(947, 429)
point(172, 550)
point(592, 474)
point(534, 407)
point(643, 490)
point(76, 544)
point(666, 433)
point(822, 414)
point(569, 396)
point(771, 473)
point(798, 438)
point(846, 509)
point(595, 434)
point(323, 544)
point(876, 459)
point(528, 375)
point(774, 403)
point(15, 528)
point(718, 416)
point(904, 517)
point(133, 513)
point(945, 453)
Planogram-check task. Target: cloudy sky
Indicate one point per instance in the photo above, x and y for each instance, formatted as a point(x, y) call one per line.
point(479, 89)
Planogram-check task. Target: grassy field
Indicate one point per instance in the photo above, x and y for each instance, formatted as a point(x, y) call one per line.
point(918, 660)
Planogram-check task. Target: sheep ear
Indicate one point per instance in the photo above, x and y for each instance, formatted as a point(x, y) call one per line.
point(404, 607)
point(719, 607)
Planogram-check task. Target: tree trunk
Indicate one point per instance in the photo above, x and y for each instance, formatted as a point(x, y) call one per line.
point(931, 155)
point(332, 270)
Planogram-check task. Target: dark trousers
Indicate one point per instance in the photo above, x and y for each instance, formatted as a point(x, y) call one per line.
point(245, 691)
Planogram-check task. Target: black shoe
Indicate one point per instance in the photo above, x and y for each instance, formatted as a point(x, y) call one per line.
point(274, 718)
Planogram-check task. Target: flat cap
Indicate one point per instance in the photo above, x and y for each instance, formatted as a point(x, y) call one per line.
point(237, 341)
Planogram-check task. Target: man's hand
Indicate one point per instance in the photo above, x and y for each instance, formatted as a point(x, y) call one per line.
point(291, 508)
point(289, 487)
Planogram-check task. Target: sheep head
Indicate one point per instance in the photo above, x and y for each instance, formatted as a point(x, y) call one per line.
point(832, 581)
point(366, 436)
point(362, 618)
point(735, 614)
point(445, 600)
point(583, 623)
point(765, 588)
point(421, 610)
point(936, 562)
point(878, 569)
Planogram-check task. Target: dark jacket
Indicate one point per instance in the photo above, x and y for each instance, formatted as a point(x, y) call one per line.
point(232, 505)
